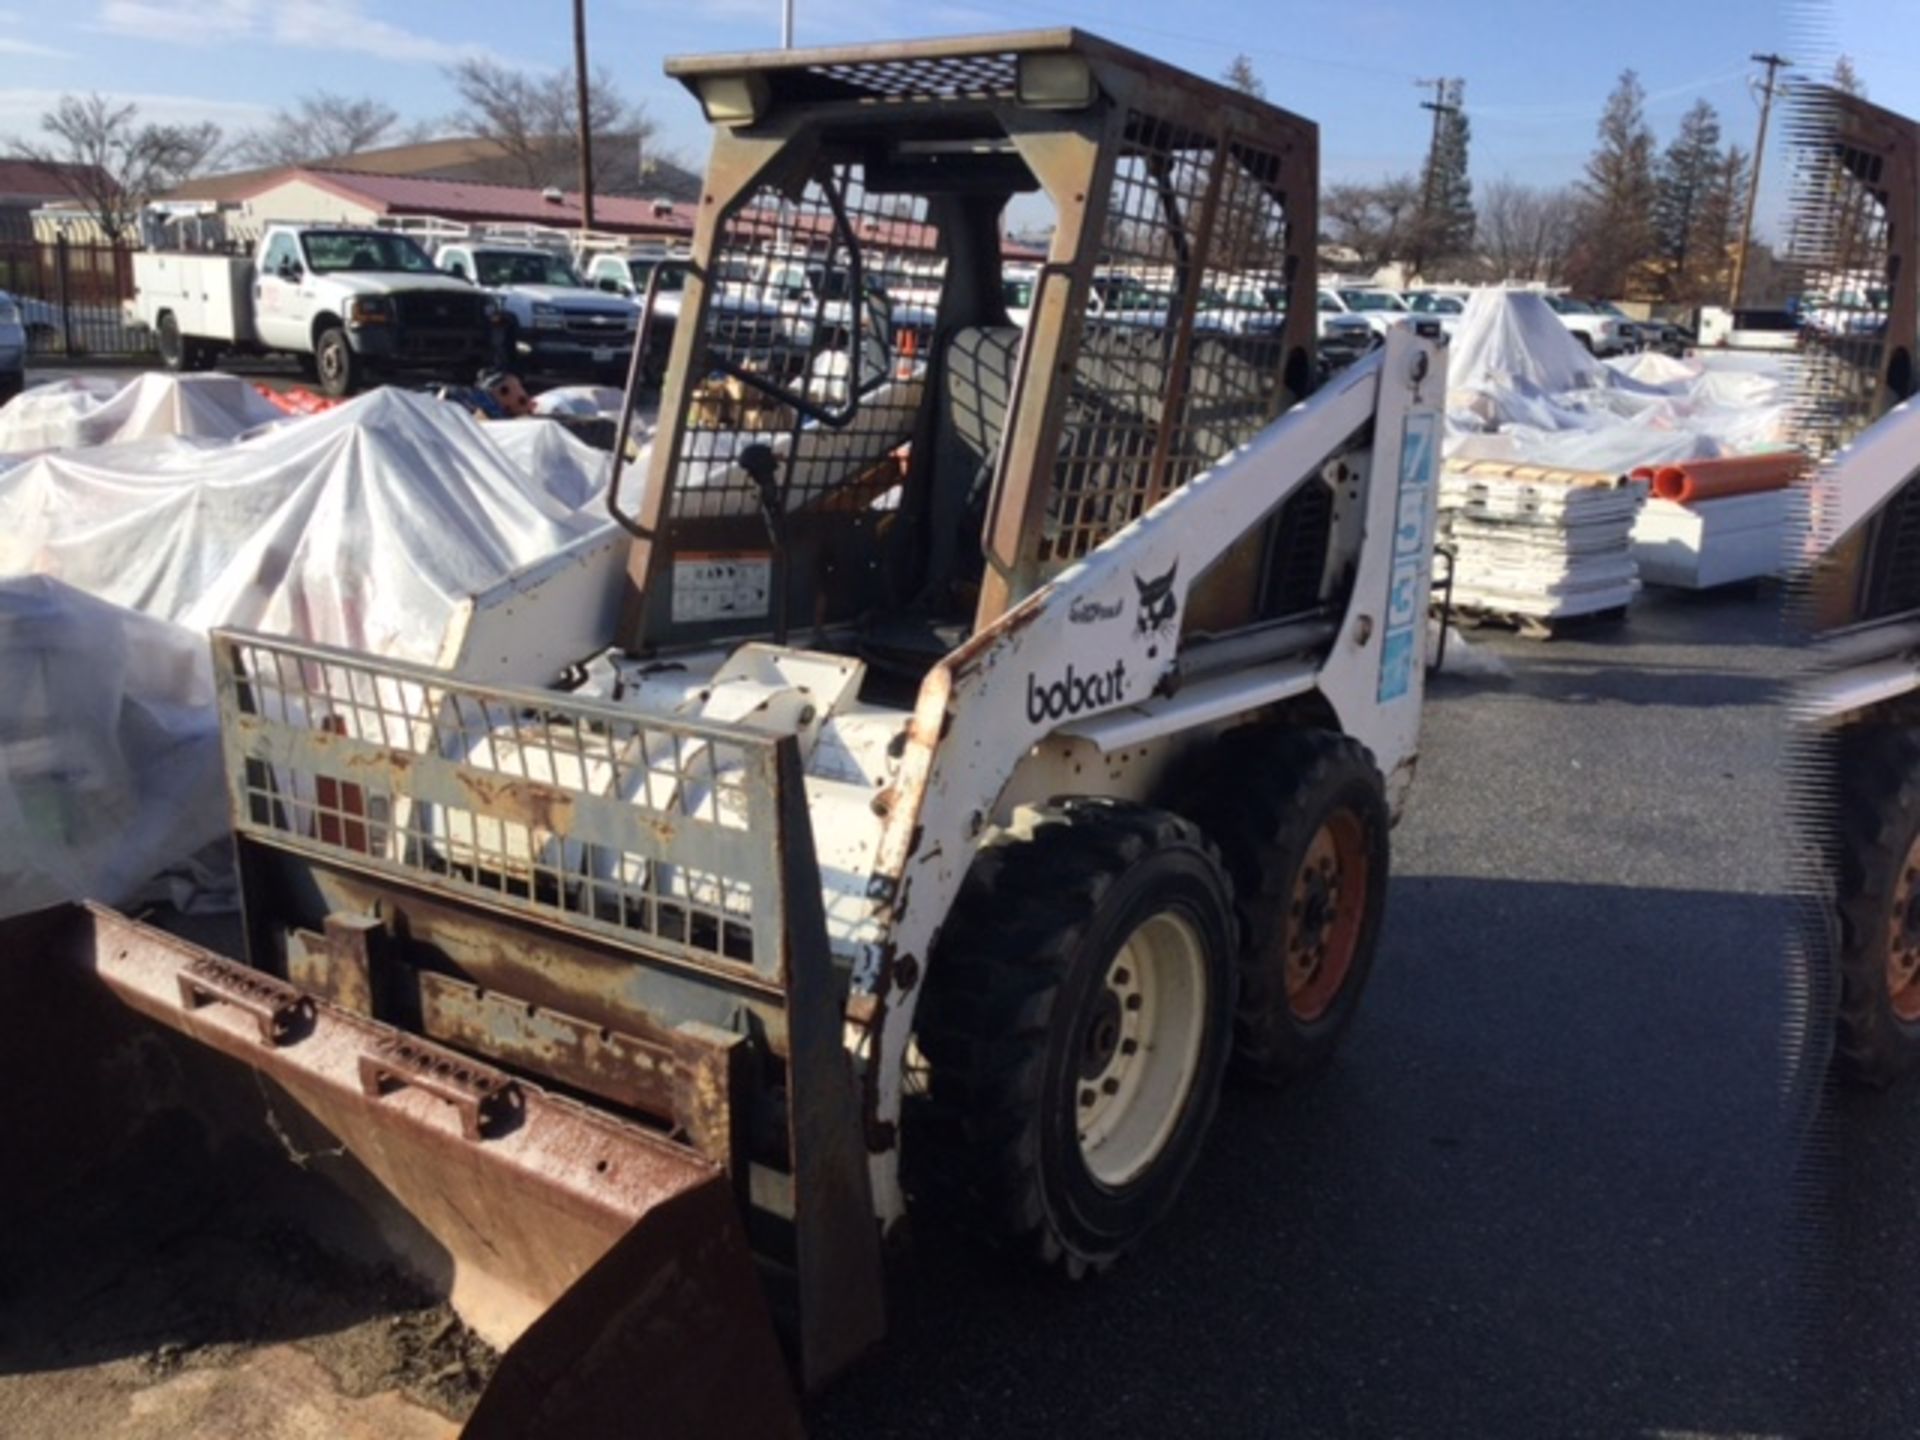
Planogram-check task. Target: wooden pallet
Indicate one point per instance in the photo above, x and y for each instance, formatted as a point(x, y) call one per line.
point(1539, 627)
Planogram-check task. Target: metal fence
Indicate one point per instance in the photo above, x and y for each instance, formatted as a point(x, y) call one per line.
point(74, 297)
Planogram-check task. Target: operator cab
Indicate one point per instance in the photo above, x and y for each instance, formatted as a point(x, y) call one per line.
point(892, 458)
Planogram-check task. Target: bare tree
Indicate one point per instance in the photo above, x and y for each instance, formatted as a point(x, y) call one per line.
point(1379, 223)
point(320, 126)
point(1845, 78)
point(1241, 75)
point(112, 163)
point(1525, 232)
point(534, 119)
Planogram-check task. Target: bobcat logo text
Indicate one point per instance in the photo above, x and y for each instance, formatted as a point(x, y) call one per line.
point(1074, 692)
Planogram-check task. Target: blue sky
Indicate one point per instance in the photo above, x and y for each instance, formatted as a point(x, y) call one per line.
point(1536, 70)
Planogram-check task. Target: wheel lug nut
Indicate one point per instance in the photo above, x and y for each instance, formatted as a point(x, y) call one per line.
point(1128, 1047)
point(1120, 976)
point(1110, 1085)
point(1133, 1002)
point(1087, 1097)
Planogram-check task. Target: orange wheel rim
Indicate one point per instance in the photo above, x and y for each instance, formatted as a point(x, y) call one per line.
point(1903, 939)
point(1325, 911)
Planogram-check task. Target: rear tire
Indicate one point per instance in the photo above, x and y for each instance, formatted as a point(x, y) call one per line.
point(336, 368)
point(1301, 818)
point(171, 343)
point(1076, 1022)
point(1879, 906)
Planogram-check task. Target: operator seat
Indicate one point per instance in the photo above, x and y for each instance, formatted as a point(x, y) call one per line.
point(976, 385)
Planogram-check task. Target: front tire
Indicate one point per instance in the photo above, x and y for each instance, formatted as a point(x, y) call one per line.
point(1301, 817)
point(1879, 905)
point(1076, 1025)
point(336, 368)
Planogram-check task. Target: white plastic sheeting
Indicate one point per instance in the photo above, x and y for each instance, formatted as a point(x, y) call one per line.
point(110, 770)
point(94, 410)
point(364, 527)
point(562, 466)
point(1521, 390)
point(1520, 387)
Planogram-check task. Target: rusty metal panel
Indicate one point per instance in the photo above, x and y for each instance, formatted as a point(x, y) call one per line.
point(629, 828)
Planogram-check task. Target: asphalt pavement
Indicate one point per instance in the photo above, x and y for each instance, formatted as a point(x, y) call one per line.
point(1546, 1189)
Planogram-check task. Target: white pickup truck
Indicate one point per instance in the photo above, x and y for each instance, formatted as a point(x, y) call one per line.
point(352, 303)
point(552, 321)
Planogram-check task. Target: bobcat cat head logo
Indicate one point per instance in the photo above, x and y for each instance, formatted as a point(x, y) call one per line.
point(1157, 605)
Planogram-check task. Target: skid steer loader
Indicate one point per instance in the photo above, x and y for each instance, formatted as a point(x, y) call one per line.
point(1000, 736)
point(1863, 692)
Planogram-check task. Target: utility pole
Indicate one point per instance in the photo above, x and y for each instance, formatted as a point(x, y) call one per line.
point(586, 119)
point(1774, 64)
point(786, 24)
point(1441, 109)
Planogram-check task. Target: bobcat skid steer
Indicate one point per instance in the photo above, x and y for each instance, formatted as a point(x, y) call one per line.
point(1863, 692)
point(999, 738)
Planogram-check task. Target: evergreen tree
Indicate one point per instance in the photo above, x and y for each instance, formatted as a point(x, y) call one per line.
point(1721, 217)
point(1684, 240)
point(1453, 217)
point(1243, 77)
point(1619, 193)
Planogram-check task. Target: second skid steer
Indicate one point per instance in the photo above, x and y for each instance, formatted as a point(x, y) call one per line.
point(999, 741)
point(1863, 696)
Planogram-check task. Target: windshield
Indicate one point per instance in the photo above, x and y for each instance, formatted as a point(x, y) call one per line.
point(334, 250)
point(1329, 305)
point(1372, 300)
point(522, 267)
point(673, 275)
point(1123, 292)
point(1566, 306)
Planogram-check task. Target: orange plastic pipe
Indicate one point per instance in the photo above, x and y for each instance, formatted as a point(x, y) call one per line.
point(1735, 475)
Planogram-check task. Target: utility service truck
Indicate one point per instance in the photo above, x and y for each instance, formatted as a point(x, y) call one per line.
point(958, 771)
point(354, 305)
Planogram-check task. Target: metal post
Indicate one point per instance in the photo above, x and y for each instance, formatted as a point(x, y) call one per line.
point(786, 24)
point(63, 288)
point(586, 125)
point(1773, 63)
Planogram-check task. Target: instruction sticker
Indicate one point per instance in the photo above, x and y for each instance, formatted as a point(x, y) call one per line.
point(721, 587)
point(1406, 605)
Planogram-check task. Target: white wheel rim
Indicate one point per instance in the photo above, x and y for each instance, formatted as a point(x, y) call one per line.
point(1141, 1049)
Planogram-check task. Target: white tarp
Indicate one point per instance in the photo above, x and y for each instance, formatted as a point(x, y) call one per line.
point(110, 768)
point(363, 527)
point(564, 467)
point(1520, 387)
point(95, 410)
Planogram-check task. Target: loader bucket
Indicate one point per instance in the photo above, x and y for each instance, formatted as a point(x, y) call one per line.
point(607, 1263)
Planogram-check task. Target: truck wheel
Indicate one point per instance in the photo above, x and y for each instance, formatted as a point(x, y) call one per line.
point(1076, 1025)
point(1879, 904)
point(336, 367)
point(170, 342)
point(1301, 819)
